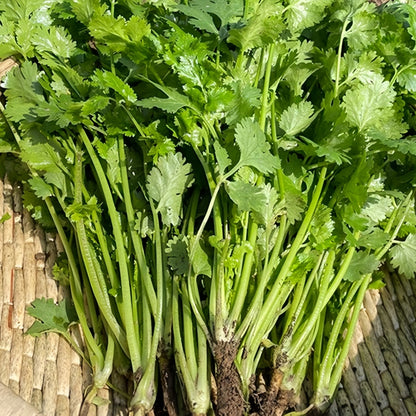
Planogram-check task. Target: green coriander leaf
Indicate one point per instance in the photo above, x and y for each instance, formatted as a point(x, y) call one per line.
point(369, 104)
point(172, 104)
point(407, 77)
point(322, 228)
point(297, 118)
point(54, 40)
point(108, 151)
point(246, 98)
point(263, 26)
point(405, 145)
point(106, 80)
point(378, 281)
point(40, 187)
point(37, 208)
point(178, 257)
point(377, 207)
point(373, 238)
point(201, 12)
point(363, 68)
point(302, 265)
point(40, 153)
point(23, 92)
point(403, 256)
point(162, 147)
point(94, 104)
point(222, 157)
point(118, 34)
point(364, 29)
point(254, 149)
point(246, 196)
point(84, 10)
point(16, 38)
point(271, 208)
point(51, 317)
point(17, 11)
point(294, 205)
point(301, 14)
point(201, 264)
point(59, 180)
point(7, 140)
point(166, 184)
point(362, 263)
point(82, 211)
point(177, 254)
point(199, 17)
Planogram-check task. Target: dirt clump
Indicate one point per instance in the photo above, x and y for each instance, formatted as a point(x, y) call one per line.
point(230, 400)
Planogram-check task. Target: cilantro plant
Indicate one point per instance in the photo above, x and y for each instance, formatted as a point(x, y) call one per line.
point(227, 179)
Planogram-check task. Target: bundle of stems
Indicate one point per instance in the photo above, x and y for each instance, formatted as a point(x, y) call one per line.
point(227, 178)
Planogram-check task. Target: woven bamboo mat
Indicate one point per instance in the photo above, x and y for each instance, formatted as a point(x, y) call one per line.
point(44, 371)
point(379, 378)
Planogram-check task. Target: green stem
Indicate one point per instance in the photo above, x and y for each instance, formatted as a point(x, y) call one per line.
point(299, 340)
point(126, 306)
point(339, 56)
point(92, 267)
point(145, 394)
point(381, 252)
point(266, 308)
point(134, 235)
point(336, 374)
point(95, 352)
point(266, 86)
point(329, 359)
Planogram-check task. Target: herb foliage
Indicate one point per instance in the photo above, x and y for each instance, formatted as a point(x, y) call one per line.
point(226, 178)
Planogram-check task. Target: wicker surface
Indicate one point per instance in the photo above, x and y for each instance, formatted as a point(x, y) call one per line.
point(379, 379)
point(380, 376)
point(44, 371)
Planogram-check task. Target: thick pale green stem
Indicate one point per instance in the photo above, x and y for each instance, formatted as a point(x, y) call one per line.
point(126, 310)
point(134, 235)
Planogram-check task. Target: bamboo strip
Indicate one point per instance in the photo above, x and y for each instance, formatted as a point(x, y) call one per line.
point(395, 401)
point(373, 376)
point(372, 313)
point(371, 405)
point(371, 342)
point(352, 387)
point(390, 334)
point(396, 371)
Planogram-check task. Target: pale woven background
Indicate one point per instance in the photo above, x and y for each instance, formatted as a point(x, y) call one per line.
point(44, 371)
point(379, 378)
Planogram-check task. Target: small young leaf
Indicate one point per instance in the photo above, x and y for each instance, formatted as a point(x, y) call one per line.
point(222, 157)
point(297, 118)
point(51, 317)
point(246, 196)
point(361, 264)
point(166, 183)
point(377, 207)
point(40, 187)
point(177, 254)
point(403, 256)
point(172, 104)
point(254, 149)
point(107, 80)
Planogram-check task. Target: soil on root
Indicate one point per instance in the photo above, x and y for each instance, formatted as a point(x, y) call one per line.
point(167, 379)
point(273, 401)
point(230, 400)
point(276, 405)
